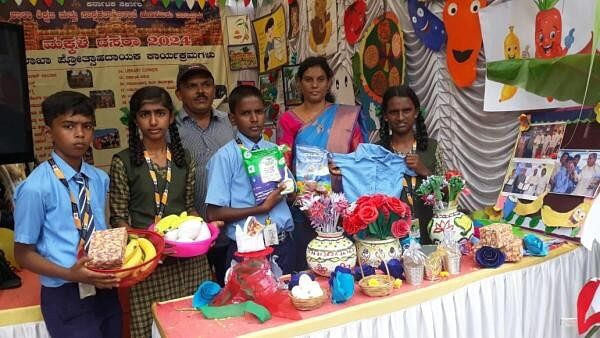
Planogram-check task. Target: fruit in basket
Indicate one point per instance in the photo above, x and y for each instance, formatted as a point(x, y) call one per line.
point(132, 246)
point(136, 258)
point(191, 228)
point(183, 228)
point(149, 252)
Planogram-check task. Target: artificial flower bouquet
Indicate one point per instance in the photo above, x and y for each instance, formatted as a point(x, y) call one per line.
point(378, 216)
point(324, 210)
point(442, 191)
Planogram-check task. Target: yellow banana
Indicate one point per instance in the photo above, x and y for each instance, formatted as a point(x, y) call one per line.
point(136, 259)
point(149, 252)
point(164, 224)
point(524, 209)
point(130, 249)
point(507, 92)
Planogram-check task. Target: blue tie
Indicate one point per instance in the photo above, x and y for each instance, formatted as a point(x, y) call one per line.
point(83, 210)
point(255, 147)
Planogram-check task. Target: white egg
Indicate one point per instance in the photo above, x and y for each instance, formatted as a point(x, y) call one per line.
point(304, 280)
point(297, 292)
point(191, 228)
point(172, 235)
point(204, 233)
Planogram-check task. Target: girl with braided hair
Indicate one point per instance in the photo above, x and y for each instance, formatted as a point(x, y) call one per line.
point(151, 179)
point(403, 132)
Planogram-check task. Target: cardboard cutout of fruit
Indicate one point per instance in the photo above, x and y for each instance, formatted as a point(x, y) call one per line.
point(512, 50)
point(382, 56)
point(461, 19)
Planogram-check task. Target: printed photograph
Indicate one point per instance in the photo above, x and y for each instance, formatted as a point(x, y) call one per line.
point(106, 139)
point(80, 78)
point(103, 98)
point(540, 141)
point(527, 178)
point(576, 173)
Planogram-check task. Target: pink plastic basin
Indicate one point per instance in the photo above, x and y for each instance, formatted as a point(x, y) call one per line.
point(190, 249)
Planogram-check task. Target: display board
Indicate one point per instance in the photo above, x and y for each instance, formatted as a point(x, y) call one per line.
point(108, 50)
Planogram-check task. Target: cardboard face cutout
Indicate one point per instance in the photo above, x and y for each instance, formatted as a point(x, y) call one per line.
point(341, 87)
point(464, 39)
point(428, 27)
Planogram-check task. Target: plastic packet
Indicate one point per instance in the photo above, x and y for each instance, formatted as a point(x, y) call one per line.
point(312, 170)
point(265, 168)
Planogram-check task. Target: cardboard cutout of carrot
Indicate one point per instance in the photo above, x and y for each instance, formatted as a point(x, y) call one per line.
point(461, 19)
point(548, 31)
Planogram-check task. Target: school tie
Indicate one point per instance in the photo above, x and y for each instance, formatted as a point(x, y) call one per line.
point(85, 212)
point(255, 147)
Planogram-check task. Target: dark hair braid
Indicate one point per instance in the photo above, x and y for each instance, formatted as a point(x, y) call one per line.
point(421, 132)
point(175, 146)
point(136, 147)
point(384, 133)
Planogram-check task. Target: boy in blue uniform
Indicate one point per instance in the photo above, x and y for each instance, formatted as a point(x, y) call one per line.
point(56, 210)
point(229, 196)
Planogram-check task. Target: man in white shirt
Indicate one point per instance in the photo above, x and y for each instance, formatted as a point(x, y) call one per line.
point(589, 177)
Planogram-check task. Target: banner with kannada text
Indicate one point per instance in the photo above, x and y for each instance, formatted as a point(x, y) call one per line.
point(109, 49)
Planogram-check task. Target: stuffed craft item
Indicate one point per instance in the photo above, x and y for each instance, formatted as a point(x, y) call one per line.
point(250, 238)
point(461, 19)
point(341, 284)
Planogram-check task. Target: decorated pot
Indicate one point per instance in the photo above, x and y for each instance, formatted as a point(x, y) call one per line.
point(328, 250)
point(372, 250)
point(450, 219)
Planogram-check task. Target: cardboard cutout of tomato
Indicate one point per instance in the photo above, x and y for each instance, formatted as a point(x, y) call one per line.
point(461, 19)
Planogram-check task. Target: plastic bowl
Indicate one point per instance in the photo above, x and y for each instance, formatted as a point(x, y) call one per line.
point(136, 274)
point(190, 249)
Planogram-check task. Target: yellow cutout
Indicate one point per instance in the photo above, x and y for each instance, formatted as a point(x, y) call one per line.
point(570, 219)
point(524, 209)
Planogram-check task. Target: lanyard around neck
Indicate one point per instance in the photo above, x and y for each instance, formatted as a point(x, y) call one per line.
point(160, 201)
point(82, 226)
point(410, 188)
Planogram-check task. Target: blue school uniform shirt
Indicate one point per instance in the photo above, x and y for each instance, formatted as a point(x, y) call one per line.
point(371, 169)
point(43, 214)
point(229, 186)
point(562, 182)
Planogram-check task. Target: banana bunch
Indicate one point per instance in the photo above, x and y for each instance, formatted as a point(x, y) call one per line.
point(138, 251)
point(172, 222)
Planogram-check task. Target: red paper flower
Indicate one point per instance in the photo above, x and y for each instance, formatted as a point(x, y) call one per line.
point(367, 214)
point(452, 173)
point(353, 224)
point(378, 200)
point(396, 206)
point(400, 228)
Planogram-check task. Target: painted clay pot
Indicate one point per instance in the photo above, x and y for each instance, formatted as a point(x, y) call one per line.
point(372, 250)
point(328, 250)
point(450, 219)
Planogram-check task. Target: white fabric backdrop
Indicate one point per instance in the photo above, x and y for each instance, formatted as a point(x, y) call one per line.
point(527, 303)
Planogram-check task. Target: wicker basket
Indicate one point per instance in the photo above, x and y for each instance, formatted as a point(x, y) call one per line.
point(385, 287)
point(310, 303)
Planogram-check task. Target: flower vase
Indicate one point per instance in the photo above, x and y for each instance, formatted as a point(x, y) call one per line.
point(448, 218)
point(329, 250)
point(371, 250)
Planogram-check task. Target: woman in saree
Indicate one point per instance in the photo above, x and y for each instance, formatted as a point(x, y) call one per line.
point(317, 122)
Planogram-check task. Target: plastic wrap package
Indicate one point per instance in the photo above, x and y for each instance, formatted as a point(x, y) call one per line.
point(253, 280)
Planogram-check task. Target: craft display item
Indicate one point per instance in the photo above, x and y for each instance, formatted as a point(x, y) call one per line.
point(140, 257)
point(433, 265)
point(513, 250)
point(265, 168)
point(186, 235)
point(249, 238)
point(107, 248)
point(495, 235)
point(312, 169)
point(307, 295)
point(377, 285)
point(414, 264)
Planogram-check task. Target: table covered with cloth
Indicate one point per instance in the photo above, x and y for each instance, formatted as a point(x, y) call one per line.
point(530, 298)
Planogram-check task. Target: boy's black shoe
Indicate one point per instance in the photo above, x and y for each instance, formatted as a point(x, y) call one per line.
point(8, 278)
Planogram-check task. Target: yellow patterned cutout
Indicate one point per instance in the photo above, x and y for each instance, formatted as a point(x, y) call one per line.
point(524, 209)
point(570, 219)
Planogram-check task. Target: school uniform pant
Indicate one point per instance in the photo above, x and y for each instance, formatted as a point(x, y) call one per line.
point(66, 315)
point(303, 234)
point(285, 252)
